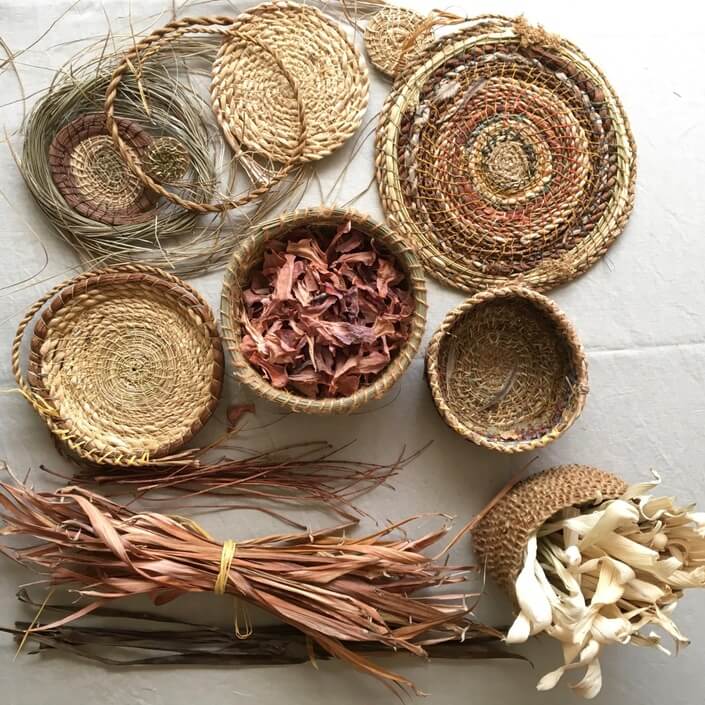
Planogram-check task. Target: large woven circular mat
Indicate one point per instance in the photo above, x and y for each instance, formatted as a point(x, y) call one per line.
point(92, 176)
point(253, 99)
point(507, 370)
point(504, 154)
point(129, 363)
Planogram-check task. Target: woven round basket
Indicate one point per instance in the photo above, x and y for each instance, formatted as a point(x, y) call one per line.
point(505, 156)
point(501, 537)
point(249, 255)
point(92, 177)
point(125, 364)
point(395, 36)
point(507, 370)
point(254, 103)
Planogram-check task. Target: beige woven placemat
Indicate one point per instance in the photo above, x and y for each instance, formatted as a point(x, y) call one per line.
point(504, 155)
point(254, 102)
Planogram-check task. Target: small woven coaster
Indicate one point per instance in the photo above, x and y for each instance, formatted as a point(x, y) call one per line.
point(394, 37)
point(92, 176)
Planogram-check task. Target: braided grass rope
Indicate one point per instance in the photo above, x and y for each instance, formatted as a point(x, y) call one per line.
point(503, 154)
point(163, 39)
point(258, 108)
point(125, 364)
point(91, 176)
point(501, 536)
point(237, 277)
point(507, 370)
point(387, 38)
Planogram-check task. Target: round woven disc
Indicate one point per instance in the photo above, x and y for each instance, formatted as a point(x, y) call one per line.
point(131, 363)
point(255, 102)
point(387, 38)
point(505, 155)
point(507, 371)
point(93, 178)
point(501, 537)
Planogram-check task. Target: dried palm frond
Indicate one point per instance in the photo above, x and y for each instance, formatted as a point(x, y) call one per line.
point(333, 588)
point(159, 640)
point(599, 575)
point(306, 473)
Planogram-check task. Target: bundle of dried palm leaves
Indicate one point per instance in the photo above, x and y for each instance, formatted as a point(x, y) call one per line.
point(333, 588)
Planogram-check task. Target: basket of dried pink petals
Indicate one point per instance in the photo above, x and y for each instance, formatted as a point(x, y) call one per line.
point(322, 310)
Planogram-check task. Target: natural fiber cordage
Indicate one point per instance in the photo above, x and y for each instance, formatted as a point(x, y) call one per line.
point(507, 370)
point(332, 587)
point(258, 108)
point(504, 155)
point(379, 323)
point(592, 562)
point(125, 364)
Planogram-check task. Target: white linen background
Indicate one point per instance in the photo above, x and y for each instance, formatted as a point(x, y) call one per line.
point(639, 312)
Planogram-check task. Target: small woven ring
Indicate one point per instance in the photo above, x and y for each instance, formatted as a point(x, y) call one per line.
point(564, 328)
point(248, 254)
point(151, 45)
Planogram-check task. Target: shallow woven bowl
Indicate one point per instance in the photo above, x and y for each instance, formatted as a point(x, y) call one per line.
point(237, 276)
point(507, 370)
point(500, 538)
point(125, 364)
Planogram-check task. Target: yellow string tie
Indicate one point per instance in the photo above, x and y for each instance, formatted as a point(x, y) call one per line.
point(227, 555)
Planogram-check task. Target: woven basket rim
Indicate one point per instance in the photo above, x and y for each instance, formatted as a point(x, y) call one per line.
point(239, 268)
point(564, 328)
point(606, 485)
point(180, 294)
point(549, 273)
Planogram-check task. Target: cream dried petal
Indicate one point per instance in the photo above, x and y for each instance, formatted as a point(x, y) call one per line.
point(611, 630)
point(642, 488)
point(520, 630)
point(530, 595)
point(591, 683)
point(617, 514)
point(587, 655)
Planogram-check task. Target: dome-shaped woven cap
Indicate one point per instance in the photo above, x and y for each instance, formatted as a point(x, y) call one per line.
point(504, 154)
point(92, 176)
point(250, 255)
point(500, 538)
point(125, 364)
point(254, 101)
point(395, 36)
point(507, 370)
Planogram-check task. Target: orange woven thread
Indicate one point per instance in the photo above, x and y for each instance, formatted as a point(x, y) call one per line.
point(507, 370)
point(504, 155)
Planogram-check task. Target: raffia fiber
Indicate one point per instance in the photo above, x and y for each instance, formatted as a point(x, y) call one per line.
point(507, 370)
point(237, 277)
point(125, 364)
point(258, 108)
point(504, 155)
point(500, 538)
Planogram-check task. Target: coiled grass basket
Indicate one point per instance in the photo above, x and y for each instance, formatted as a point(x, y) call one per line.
point(250, 253)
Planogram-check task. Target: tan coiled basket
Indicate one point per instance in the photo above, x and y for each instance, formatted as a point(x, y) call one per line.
point(125, 364)
point(237, 276)
point(501, 536)
point(507, 370)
